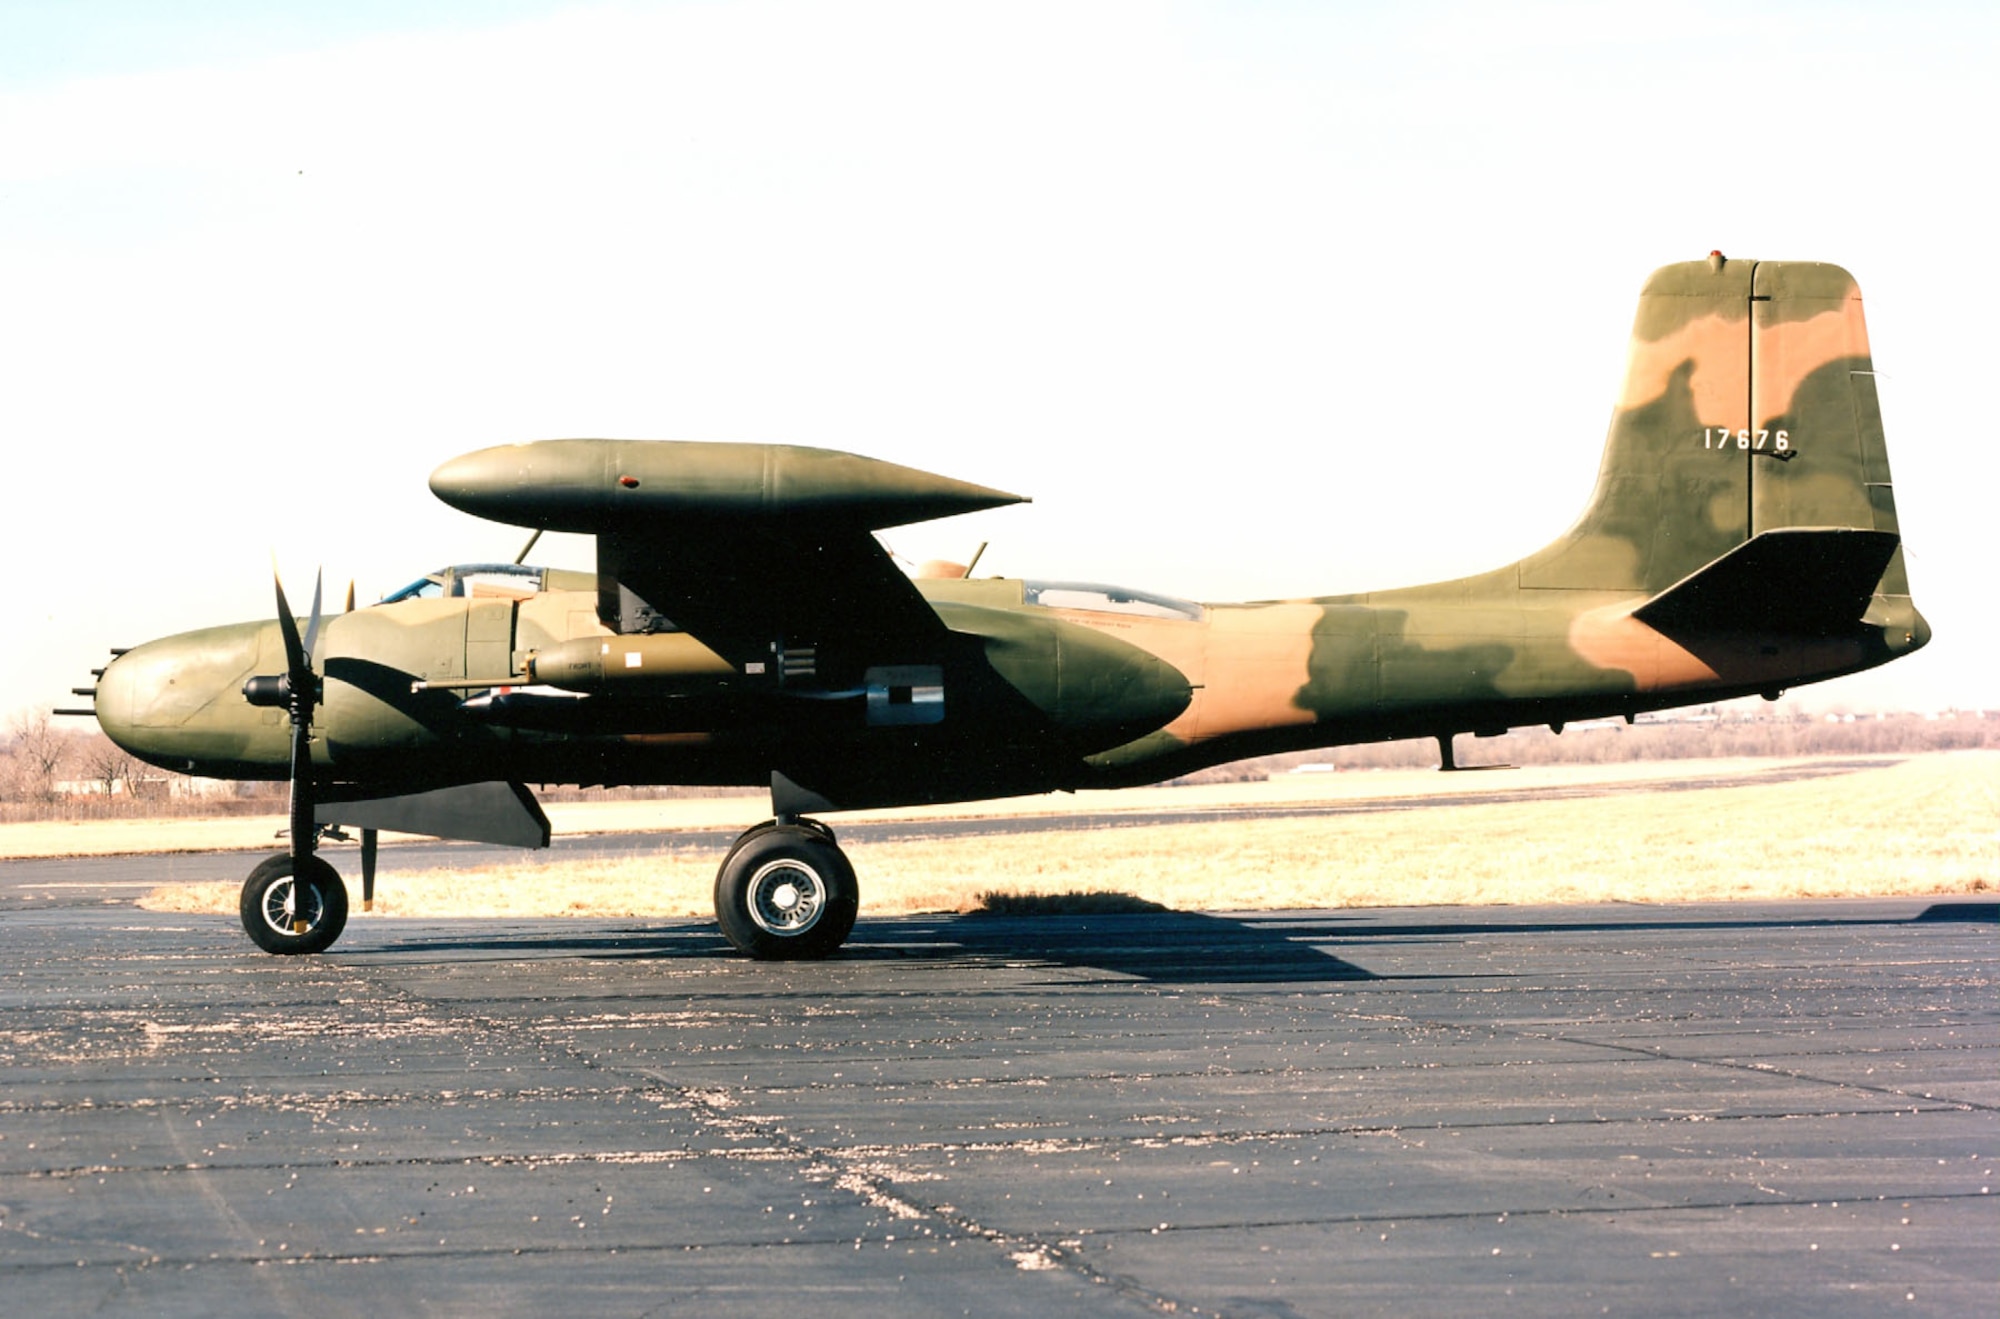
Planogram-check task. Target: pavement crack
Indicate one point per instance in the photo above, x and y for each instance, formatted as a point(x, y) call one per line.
point(1489, 1213)
point(870, 1174)
point(1654, 1052)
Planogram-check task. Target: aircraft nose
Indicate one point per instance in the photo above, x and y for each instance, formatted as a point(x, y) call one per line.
point(124, 696)
point(167, 701)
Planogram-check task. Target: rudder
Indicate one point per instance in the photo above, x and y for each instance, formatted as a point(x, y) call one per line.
point(1813, 378)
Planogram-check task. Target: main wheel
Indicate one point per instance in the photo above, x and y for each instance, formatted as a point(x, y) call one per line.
point(287, 913)
point(786, 891)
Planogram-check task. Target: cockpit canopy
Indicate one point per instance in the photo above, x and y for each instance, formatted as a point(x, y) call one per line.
point(493, 581)
point(1107, 600)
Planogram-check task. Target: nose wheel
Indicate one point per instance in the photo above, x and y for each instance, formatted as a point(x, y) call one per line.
point(293, 906)
point(786, 891)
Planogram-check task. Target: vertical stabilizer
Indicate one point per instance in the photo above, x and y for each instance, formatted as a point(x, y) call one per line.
point(1748, 406)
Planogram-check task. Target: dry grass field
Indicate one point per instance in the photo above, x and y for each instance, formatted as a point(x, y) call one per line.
point(136, 835)
point(1926, 825)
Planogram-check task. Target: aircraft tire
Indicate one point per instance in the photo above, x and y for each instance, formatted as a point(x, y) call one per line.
point(270, 904)
point(785, 893)
point(819, 827)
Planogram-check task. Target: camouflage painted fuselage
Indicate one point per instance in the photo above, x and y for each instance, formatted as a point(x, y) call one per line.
point(1742, 539)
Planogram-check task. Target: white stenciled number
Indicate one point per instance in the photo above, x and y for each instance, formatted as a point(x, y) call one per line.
point(1721, 437)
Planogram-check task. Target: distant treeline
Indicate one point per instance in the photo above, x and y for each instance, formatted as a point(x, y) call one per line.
point(1698, 737)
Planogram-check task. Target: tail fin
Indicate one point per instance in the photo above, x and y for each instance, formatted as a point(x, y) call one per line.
point(1748, 406)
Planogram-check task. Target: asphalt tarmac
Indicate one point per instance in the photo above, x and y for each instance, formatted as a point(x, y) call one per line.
point(1769, 1109)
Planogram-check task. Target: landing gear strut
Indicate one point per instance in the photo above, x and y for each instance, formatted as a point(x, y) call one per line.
point(786, 891)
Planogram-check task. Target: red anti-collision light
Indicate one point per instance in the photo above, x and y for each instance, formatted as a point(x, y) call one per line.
point(629, 482)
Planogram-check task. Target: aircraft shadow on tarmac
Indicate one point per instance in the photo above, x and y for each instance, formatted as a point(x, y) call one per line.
point(1335, 927)
point(1173, 947)
point(1166, 947)
point(1162, 947)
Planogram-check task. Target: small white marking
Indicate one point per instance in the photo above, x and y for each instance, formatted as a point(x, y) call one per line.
point(109, 883)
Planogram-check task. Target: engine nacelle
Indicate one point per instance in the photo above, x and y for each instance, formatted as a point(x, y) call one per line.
point(1095, 689)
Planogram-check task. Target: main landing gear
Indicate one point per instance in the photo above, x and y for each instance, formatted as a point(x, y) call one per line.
point(786, 891)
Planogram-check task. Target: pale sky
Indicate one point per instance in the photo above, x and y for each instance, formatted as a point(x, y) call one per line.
point(1254, 300)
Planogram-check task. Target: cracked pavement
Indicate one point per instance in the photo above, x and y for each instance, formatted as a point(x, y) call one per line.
point(1765, 1108)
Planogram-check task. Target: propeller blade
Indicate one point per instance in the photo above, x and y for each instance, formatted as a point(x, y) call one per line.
point(312, 623)
point(300, 686)
point(288, 627)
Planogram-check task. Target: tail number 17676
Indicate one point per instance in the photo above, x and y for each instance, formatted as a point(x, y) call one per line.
point(1721, 437)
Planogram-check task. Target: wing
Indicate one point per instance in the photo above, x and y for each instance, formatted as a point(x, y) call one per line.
point(765, 553)
point(767, 595)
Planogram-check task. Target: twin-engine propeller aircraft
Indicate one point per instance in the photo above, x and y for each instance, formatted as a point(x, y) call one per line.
point(744, 626)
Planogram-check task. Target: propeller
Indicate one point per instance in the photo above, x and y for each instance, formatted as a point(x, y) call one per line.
point(298, 690)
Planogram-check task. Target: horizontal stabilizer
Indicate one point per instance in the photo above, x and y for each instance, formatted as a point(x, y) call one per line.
point(1799, 580)
point(495, 812)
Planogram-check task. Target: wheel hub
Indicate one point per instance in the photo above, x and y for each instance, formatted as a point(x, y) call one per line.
point(289, 911)
point(786, 897)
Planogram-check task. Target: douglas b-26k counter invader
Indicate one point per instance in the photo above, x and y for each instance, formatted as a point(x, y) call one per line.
point(744, 626)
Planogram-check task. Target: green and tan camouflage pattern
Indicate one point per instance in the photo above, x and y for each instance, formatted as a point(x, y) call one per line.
point(1748, 410)
point(1718, 348)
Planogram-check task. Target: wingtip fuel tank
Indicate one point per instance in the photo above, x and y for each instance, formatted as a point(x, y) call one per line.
point(592, 486)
